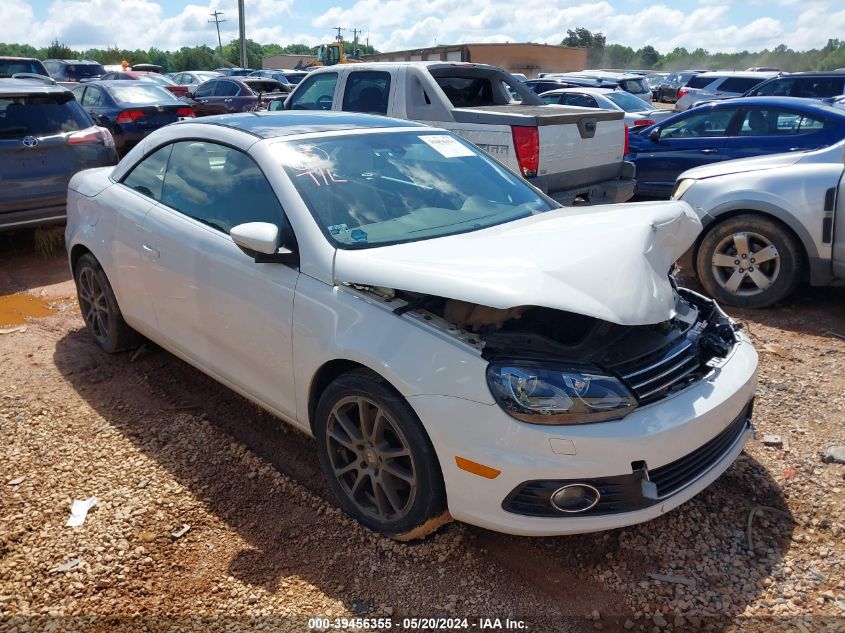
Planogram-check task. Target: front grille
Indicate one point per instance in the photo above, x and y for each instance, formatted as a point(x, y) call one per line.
point(654, 376)
point(624, 493)
point(678, 474)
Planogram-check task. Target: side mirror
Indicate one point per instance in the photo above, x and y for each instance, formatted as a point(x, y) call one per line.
point(189, 94)
point(654, 135)
point(260, 240)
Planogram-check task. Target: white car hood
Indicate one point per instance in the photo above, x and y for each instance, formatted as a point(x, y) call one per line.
point(743, 165)
point(608, 262)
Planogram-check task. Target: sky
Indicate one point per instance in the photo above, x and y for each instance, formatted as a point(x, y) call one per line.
point(717, 25)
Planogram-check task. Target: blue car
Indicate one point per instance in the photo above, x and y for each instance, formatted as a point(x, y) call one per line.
point(738, 128)
point(130, 109)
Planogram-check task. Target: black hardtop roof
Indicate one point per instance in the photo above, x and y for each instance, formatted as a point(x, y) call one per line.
point(276, 124)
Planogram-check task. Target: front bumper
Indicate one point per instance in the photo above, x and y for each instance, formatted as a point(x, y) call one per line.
point(655, 435)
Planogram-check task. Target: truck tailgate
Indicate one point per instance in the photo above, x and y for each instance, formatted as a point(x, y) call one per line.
point(578, 146)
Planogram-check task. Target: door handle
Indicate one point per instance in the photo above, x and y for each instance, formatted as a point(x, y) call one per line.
point(709, 151)
point(227, 100)
point(150, 251)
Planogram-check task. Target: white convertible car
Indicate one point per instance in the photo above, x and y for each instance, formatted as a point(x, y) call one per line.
point(456, 342)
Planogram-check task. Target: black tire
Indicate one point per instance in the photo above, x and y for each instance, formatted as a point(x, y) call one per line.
point(782, 268)
point(659, 96)
point(422, 506)
point(99, 308)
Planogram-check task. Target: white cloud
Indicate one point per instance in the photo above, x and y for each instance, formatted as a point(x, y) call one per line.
point(402, 24)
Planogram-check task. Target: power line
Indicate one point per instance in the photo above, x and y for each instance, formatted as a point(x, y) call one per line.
point(217, 22)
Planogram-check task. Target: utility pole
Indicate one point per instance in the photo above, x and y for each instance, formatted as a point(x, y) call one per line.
point(242, 33)
point(339, 29)
point(217, 22)
point(355, 41)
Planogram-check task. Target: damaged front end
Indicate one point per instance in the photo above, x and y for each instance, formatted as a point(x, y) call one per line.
point(548, 366)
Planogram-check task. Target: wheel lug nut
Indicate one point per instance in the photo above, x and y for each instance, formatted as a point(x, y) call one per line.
point(751, 269)
point(742, 270)
point(736, 262)
point(752, 260)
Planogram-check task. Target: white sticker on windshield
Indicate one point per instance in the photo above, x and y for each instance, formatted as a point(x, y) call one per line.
point(447, 146)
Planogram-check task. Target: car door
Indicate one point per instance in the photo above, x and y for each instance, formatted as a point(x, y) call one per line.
point(94, 102)
point(698, 138)
point(214, 305)
point(764, 131)
point(205, 103)
point(132, 198)
point(232, 97)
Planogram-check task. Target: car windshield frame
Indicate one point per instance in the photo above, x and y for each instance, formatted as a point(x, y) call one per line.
point(312, 166)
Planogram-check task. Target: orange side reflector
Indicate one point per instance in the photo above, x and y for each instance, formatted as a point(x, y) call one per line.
point(477, 469)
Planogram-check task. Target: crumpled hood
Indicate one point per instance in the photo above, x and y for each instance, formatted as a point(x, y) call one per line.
point(608, 262)
point(743, 165)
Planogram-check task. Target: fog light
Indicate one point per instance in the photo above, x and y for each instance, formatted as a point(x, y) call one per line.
point(575, 498)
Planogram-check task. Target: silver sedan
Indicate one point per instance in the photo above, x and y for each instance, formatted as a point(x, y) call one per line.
point(637, 111)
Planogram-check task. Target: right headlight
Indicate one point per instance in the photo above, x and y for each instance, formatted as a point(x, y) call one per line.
point(545, 394)
point(681, 187)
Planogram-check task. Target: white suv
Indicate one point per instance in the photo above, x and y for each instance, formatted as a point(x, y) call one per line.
point(718, 85)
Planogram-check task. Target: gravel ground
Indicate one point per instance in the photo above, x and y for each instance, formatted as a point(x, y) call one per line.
point(164, 448)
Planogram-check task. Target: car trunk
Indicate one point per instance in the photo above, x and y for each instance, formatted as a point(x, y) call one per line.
point(34, 176)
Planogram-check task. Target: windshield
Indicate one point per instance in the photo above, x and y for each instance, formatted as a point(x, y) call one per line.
point(378, 189)
point(627, 101)
point(137, 92)
point(633, 85)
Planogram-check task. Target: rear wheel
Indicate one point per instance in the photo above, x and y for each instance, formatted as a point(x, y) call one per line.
point(377, 458)
point(99, 308)
point(749, 261)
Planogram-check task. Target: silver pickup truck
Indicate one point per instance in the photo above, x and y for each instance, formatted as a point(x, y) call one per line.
point(572, 154)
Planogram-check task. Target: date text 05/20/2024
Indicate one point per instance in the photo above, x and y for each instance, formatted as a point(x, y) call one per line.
point(419, 624)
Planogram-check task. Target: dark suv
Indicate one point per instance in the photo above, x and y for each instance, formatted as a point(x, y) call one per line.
point(45, 138)
point(74, 70)
point(820, 85)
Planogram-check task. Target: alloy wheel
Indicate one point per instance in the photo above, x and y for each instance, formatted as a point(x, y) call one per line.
point(371, 458)
point(746, 263)
point(93, 303)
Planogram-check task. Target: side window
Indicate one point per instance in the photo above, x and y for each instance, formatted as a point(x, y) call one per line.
point(226, 89)
point(315, 93)
point(818, 88)
point(551, 99)
point(367, 91)
point(219, 186)
point(580, 100)
point(78, 93)
point(778, 88)
point(108, 77)
point(93, 97)
point(706, 123)
point(206, 89)
point(147, 177)
point(778, 123)
point(182, 79)
point(740, 85)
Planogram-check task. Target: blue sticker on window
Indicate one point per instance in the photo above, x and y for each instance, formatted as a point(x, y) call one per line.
point(359, 236)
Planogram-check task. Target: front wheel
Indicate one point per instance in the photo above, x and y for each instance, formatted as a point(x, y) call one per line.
point(377, 458)
point(749, 261)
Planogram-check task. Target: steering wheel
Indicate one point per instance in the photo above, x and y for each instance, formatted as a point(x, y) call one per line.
point(324, 102)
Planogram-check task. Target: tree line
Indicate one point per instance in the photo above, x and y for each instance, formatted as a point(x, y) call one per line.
point(600, 54)
point(186, 58)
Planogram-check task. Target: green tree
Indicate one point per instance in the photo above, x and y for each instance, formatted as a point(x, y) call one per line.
point(649, 56)
point(593, 42)
point(57, 50)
